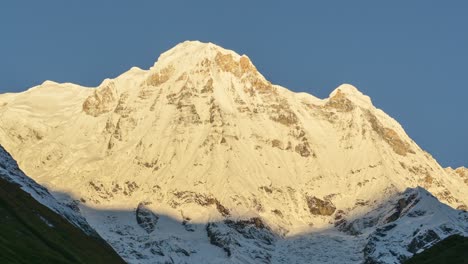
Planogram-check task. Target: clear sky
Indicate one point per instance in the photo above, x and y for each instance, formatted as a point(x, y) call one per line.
point(410, 57)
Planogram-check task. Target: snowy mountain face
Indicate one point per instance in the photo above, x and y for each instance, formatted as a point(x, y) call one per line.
point(200, 159)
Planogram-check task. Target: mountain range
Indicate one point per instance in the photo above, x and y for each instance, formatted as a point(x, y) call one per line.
point(201, 159)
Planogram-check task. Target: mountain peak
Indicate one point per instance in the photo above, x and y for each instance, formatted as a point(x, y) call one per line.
point(49, 82)
point(196, 47)
point(352, 93)
point(191, 51)
point(190, 55)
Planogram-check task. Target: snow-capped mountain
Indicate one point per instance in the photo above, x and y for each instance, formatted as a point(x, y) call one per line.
point(200, 159)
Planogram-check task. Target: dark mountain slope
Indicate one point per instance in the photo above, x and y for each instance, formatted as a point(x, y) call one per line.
point(452, 250)
point(30, 232)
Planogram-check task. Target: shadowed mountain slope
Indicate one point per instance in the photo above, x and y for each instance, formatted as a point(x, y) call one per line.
point(453, 249)
point(30, 232)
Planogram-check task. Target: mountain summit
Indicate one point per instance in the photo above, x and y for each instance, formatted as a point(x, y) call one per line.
point(202, 159)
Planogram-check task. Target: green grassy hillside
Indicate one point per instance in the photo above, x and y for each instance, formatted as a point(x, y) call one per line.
point(32, 233)
point(452, 250)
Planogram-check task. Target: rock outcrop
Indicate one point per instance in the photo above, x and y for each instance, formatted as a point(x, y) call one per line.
point(145, 218)
point(320, 207)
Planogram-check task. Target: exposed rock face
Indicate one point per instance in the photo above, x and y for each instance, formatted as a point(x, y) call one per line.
point(145, 218)
point(200, 199)
point(233, 236)
point(422, 240)
point(283, 114)
point(461, 172)
point(238, 67)
point(401, 205)
point(303, 149)
point(102, 101)
point(161, 247)
point(158, 78)
point(390, 136)
point(208, 87)
point(340, 102)
point(320, 207)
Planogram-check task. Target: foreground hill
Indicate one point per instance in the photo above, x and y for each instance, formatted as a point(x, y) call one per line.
point(201, 159)
point(453, 249)
point(33, 233)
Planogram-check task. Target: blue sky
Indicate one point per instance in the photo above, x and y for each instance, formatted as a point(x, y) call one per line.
point(409, 56)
